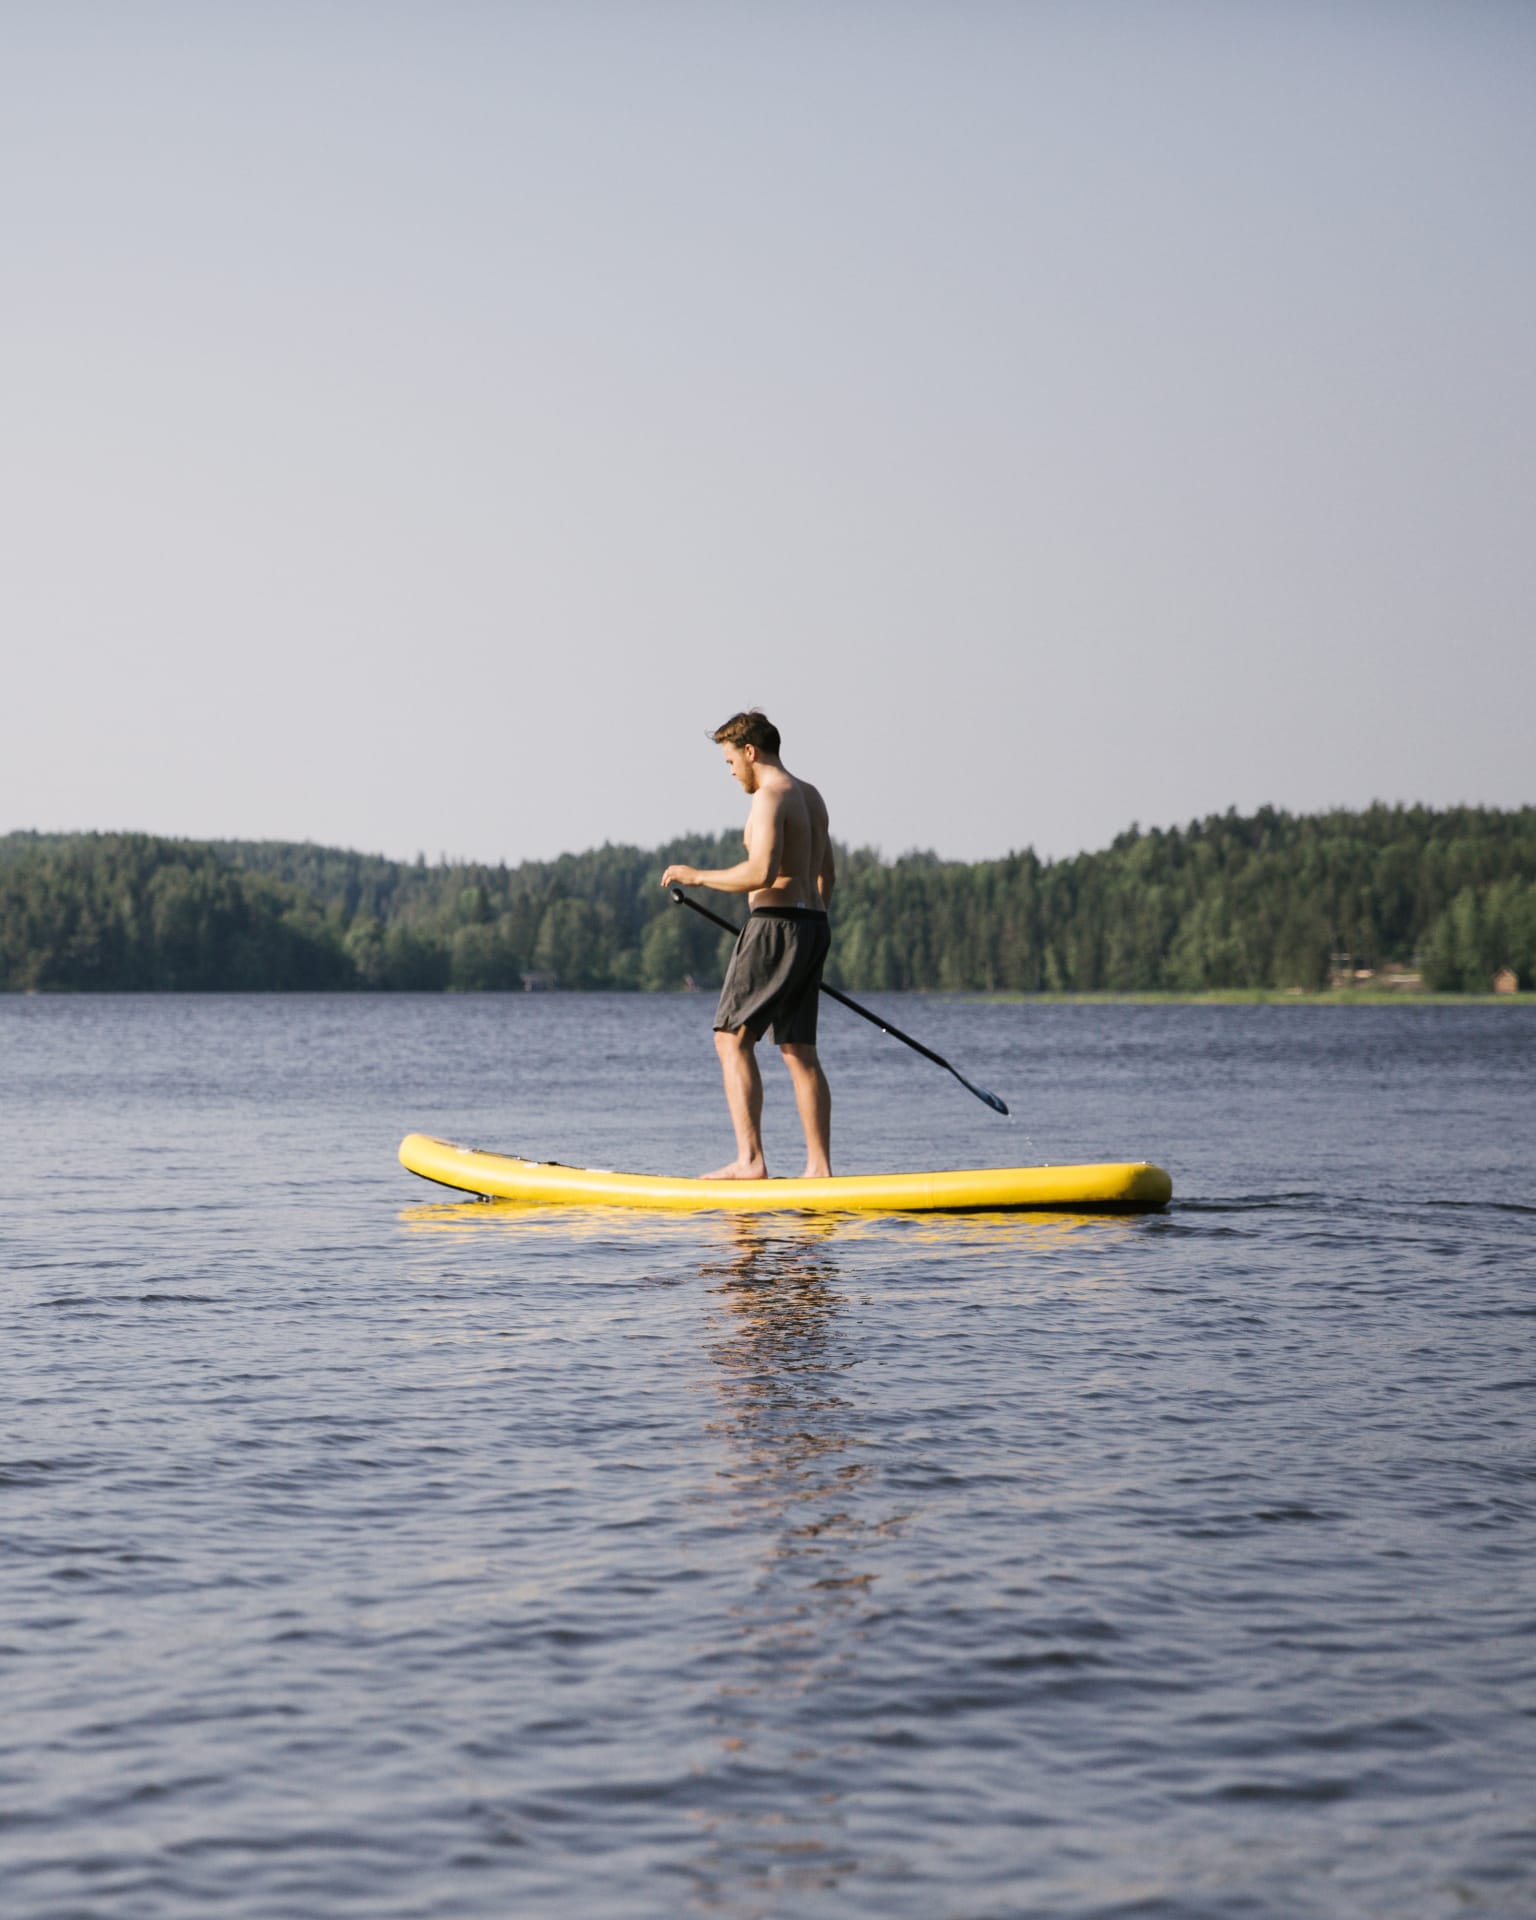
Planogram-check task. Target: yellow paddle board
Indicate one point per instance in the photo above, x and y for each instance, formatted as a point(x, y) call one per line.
point(1133, 1186)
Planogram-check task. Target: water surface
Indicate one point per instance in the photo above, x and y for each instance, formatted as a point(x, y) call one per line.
point(368, 1552)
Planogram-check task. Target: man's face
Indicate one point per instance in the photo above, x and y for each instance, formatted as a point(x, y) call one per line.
point(742, 762)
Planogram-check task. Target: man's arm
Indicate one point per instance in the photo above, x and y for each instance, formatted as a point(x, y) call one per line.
point(765, 849)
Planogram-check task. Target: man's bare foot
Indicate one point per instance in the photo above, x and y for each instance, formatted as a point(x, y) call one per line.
point(741, 1170)
point(822, 1172)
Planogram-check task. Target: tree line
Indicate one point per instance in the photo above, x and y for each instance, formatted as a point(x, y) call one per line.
point(1259, 901)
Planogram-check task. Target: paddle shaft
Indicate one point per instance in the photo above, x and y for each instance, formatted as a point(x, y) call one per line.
point(987, 1099)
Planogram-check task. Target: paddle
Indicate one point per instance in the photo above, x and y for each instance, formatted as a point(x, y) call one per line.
point(988, 1099)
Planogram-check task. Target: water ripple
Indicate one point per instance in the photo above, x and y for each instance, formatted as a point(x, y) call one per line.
point(371, 1556)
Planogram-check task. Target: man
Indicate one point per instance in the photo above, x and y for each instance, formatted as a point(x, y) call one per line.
point(773, 984)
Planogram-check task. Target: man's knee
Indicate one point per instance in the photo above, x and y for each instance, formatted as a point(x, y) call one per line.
point(730, 1041)
point(800, 1053)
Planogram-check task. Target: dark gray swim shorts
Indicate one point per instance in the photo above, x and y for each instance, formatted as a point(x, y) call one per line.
point(773, 984)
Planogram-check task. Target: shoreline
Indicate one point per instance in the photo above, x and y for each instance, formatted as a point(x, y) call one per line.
point(1108, 997)
point(1259, 997)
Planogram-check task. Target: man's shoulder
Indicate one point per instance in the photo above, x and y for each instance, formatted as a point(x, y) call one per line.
point(788, 788)
point(813, 797)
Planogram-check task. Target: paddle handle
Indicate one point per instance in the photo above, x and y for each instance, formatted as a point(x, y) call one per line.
point(987, 1099)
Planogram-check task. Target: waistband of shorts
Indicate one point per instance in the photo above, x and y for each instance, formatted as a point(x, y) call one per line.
point(787, 913)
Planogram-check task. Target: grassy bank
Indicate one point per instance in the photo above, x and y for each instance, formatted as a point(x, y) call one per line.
point(1264, 997)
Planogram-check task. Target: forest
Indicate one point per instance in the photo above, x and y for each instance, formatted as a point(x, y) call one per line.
point(1269, 900)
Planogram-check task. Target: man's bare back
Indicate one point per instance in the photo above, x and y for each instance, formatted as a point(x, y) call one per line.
point(791, 815)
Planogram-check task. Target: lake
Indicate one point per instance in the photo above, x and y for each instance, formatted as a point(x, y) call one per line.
point(372, 1552)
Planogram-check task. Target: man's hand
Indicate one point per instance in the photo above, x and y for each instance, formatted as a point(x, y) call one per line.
point(680, 877)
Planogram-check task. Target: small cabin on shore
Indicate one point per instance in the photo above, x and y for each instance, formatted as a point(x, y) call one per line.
point(1506, 980)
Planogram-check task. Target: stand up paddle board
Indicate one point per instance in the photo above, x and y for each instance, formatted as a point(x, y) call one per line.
point(1129, 1187)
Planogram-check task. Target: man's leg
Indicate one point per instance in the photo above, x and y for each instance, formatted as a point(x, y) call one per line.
point(744, 1097)
point(814, 1099)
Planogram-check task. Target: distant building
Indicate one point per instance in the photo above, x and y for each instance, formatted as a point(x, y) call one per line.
point(1344, 972)
point(540, 982)
point(1506, 980)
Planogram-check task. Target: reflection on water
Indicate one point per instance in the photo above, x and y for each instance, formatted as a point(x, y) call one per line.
point(795, 1472)
point(794, 1504)
point(780, 1375)
point(988, 1233)
point(474, 1215)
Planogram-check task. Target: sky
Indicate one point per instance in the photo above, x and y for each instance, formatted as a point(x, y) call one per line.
point(422, 424)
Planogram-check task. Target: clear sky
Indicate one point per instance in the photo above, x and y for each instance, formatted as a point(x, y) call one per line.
point(423, 423)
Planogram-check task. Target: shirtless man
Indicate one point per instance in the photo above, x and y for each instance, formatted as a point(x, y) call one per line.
point(773, 984)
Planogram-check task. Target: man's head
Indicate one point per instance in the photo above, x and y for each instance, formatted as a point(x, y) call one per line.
point(748, 739)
